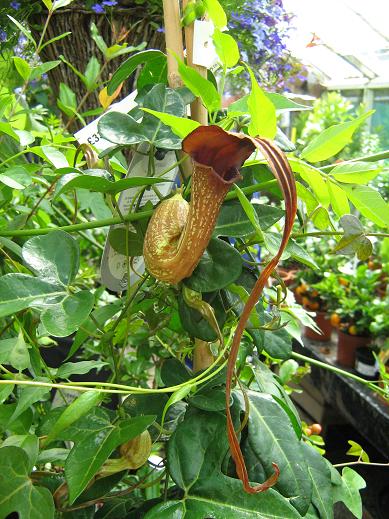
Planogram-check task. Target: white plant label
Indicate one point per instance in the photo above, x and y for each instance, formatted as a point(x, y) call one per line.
point(204, 53)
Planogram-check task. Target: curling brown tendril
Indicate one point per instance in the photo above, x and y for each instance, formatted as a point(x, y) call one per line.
point(179, 232)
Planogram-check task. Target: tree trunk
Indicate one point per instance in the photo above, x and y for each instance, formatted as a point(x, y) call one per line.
point(79, 47)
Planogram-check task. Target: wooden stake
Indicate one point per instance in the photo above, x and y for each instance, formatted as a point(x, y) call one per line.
point(198, 111)
point(173, 36)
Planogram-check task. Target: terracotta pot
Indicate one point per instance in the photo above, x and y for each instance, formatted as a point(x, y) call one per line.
point(323, 322)
point(347, 344)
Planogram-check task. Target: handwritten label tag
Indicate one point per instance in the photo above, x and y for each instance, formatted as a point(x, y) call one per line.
point(204, 53)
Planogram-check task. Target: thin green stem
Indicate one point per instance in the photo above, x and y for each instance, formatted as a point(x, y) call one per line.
point(336, 233)
point(339, 371)
point(366, 158)
point(132, 217)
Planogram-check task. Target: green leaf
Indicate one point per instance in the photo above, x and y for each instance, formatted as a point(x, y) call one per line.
point(348, 493)
point(18, 356)
point(101, 181)
point(67, 101)
point(120, 238)
point(271, 445)
point(95, 439)
point(355, 172)
point(319, 473)
point(127, 68)
point(313, 178)
point(181, 126)
point(64, 318)
point(153, 72)
point(61, 3)
point(79, 368)
point(278, 344)
point(226, 47)
point(19, 291)
point(78, 408)
point(55, 157)
point(5, 391)
point(26, 32)
point(307, 197)
point(216, 13)
point(56, 38)
point(101, 45)
point(219, 266)
point(48, 4)
point(92, 72)
point(54, 257)
point(123, 129)
point(177, 396)
point(321, 218)
point(283, 103)
point(17, 493)
point(338, 199)
point(28, 442)
point(273, 242)
point(234, 222)
point(332, 140)
point(195, 466)
point(370, 203)
point(200, 87)
point(195, 324)
point(263, 121)
point(43, 68)
point(21, 425)
point(22, 67)
point(357, 450)
point(28, 396)
point(16, 177)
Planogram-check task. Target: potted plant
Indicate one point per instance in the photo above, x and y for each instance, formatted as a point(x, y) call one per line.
point(354, 312)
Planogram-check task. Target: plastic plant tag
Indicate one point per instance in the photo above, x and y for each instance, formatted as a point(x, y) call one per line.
point(90, 135)
point(204, 53)
point(114, 264)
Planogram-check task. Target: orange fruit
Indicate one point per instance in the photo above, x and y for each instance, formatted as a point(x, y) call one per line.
point(314, 305)
point(308, 431)
point(316, 428)
point(306, 302)
point(343, 282)
point(335, 320)
point(353, 330)
point(314, 293)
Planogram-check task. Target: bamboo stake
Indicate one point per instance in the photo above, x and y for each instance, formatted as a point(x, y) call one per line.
point(198, 111)
point(173, 36)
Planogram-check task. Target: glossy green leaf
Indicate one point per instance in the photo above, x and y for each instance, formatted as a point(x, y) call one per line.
point(200, 87)
point(16, 177)
point(177, 396)
point(349, 493)
point(219, 266)
point(314, 179)
point(307, 197)
point(338, 199)
point(357, 451)
point(226, 47)
point(284, 449)
point(195, 324)
point(78, 408)
point(355, 172)
point(250, 211)
point(216, 13)
point(53, 257)
point(19, 291)
point(181, 126)
point(28, 442)
point(332, 140)
point(101, 181)
point(21, 425)
point(278, 344)
point(95, 439)
point(43, 68)
point(122, 129)
point(91, 73)
point(196, 468)
point(119, 239)
point(283, 103)
point(234, 222)
point(370, 203)
point(17, 493)
point(263, 113)
point(320, 475)
point(154, 71)
point(321, 218)
point(65, 317)
point(5, 391)
point(127, 68)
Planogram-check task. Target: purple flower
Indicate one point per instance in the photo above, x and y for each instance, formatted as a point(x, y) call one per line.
point(15, 5)
point(109, 3)
point(97, 8)
point(3, 35)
